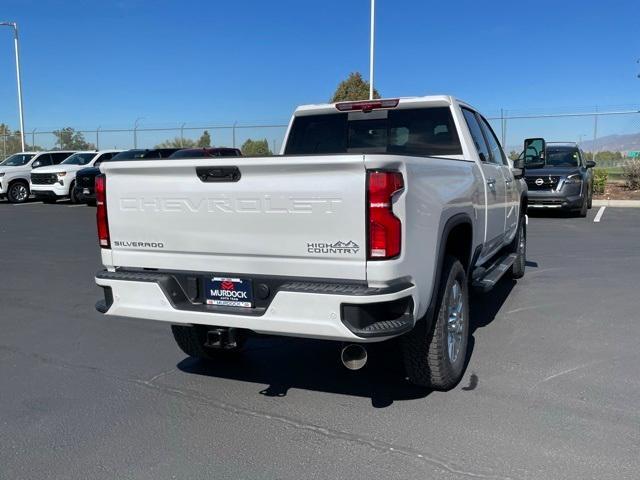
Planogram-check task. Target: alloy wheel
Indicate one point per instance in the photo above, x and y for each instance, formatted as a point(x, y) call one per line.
point(455, 321)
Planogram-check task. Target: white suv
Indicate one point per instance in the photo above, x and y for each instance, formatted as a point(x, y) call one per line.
point(16, 170)
point(57, 181)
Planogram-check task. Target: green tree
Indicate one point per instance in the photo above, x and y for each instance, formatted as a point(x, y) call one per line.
point(204, 140)
point(10, 142)
point(513, 155)
point(353, 88)
point(69, 139)
point(177, 142)
point(256, 147)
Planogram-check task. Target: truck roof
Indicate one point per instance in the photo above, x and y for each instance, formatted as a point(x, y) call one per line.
point(404, 102)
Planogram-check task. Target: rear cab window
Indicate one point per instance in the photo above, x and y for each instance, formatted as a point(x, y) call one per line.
point(425, 131)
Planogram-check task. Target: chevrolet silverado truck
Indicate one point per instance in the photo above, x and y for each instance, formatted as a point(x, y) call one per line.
point(374, 223)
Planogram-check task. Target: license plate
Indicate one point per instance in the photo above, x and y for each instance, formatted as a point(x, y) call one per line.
point(228, 292)
point(85, 191)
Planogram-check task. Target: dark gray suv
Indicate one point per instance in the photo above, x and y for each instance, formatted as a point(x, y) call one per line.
point(558, 176)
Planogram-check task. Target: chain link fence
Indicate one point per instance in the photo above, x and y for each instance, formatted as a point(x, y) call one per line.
point(597, 129)
point(221, 136)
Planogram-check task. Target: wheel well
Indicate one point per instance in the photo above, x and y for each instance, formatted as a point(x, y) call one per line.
point(19, 180)
point(459, 242)
point(524, 203)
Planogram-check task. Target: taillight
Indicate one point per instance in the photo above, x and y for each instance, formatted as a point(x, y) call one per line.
point(367, 105)
point(385, 229)
point(101, 213)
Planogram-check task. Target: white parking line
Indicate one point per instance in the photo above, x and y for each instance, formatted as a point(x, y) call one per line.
point(599, 214)
point(26, 203)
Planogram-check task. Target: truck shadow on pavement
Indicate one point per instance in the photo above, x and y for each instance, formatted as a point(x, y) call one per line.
point(284, 363)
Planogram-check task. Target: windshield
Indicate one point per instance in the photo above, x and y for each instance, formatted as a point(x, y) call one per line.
point(562, 157)
point(79, 159)
point(417, 131)
point(140, 153)
point(17, 160)
point(555, 157)
point(204, 152)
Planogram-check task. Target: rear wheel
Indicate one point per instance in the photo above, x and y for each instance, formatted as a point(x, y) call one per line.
point(18, 192)
point(435, 352)
point(590, 201)
point(192, 340)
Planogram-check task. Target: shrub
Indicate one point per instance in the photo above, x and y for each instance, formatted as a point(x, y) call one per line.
point(600, 179)
point(631, 174)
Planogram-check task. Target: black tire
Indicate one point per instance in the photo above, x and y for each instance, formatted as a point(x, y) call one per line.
point(72, 193)
point(585, 208)
point(425, 349)
point(590, 200)
point(192, 339)
point(18, 192)
point(519, 246)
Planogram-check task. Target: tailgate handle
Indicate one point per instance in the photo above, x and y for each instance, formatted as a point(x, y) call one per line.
point(218, 174)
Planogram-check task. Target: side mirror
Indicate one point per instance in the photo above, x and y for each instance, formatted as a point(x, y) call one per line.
point(591, 164)
point(518, 168)
point(534, 151)
point(36, 164)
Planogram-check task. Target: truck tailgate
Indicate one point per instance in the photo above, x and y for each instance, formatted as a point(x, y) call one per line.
point(289, 216)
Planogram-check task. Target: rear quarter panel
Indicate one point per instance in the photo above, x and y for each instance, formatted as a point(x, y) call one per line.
point(436, 189)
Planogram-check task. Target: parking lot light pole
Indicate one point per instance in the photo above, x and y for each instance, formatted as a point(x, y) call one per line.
point(135, 132)
point(371, 47)
point(14, 25)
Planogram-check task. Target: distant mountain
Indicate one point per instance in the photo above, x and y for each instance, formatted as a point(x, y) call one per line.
point(612, 143)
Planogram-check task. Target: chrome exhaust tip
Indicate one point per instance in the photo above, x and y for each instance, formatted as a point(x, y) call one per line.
point(353, 356)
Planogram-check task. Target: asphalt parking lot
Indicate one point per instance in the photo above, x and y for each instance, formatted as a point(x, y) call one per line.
point(552, 389)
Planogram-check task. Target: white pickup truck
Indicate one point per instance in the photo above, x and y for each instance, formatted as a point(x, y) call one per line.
point(372, 224)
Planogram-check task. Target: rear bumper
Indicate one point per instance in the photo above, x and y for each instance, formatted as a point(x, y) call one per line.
point(332, 311)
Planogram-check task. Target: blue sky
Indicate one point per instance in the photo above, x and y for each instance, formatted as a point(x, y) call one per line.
point(214, 62)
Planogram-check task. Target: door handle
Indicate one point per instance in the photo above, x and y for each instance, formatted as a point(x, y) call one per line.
point(492, 184)
point(508, 180)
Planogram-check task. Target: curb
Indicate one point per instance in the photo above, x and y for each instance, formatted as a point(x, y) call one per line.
point(617, 203)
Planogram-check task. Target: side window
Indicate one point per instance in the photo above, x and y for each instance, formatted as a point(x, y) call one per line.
point(476, 134)
point(497, 155)
point(59, 157)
